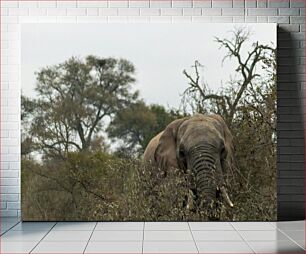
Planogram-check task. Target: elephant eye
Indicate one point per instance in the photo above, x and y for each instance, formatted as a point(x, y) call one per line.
point(182, 158)
point(182, 153)
point(223, 153)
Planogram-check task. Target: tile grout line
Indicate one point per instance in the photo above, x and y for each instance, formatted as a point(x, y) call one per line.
point(143, 232)
point(283, 232)
point(244, 240)
point(90, 237)
point(10, 228)
point(271, 223)
point(193, 237)
point(42, 238)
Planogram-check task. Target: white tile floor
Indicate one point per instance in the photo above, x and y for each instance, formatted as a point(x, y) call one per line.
point(152, 237)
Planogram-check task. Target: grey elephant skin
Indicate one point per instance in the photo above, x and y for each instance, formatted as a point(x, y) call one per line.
point(203, 145)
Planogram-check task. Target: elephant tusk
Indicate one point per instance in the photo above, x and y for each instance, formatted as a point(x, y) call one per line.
point(226, 197)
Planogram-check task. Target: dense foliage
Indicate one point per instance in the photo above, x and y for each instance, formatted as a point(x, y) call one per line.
point(97, 186)
point(73, 100)
point(137, 125)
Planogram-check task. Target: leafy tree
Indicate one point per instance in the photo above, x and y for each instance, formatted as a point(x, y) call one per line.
point(73, 100)
point(27, 109)
point(137, 124)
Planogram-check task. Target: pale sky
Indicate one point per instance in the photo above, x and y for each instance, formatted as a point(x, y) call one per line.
point(159, 52)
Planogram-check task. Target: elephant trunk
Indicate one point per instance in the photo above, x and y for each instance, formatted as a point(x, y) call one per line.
point(203, 164)
point(209, 181)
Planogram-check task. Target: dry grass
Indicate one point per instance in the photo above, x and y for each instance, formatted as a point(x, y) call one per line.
point(98, 186)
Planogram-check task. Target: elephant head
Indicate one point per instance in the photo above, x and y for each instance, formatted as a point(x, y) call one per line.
point(203, 145)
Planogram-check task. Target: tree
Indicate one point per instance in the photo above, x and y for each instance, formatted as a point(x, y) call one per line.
point(73, 100)
point(137, 124)
point(227, 101)
point(27, 109)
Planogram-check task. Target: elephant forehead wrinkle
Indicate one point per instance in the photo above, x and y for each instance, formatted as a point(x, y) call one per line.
point(203, 158)
point(204, 148)
point(206, 160)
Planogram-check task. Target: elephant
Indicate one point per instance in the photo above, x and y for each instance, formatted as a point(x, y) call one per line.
point(203, 145)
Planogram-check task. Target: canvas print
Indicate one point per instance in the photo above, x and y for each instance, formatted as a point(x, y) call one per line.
point(148, 122)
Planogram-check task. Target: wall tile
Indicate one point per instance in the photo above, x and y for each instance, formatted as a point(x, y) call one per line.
point(202, 3)
point(222, 3)
point(297, 3)
point(289, 14)
point(233, 11)
point(278, 3)
point(160, 3)
point(262, 12)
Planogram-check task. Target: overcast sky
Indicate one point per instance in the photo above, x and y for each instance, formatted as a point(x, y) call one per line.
point(160, 52)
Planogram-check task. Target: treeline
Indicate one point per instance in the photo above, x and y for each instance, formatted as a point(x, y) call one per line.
point(77, 98)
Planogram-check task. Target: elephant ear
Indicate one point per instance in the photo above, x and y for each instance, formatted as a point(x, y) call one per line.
point(165, 153)
point(228, 142)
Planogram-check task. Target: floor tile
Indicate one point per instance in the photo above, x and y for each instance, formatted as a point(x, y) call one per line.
point(17, 247)
point(160, 237)
point(119, 226)
point(291, 225)
point(301, 243)
point(216, 236)
point(9, 220)
point(273, 235)
point(296, 235)
point(63, 226)
point(114, 247)
point(5, 228)
point(69, 236)
point(22, 236)
point(211, 226)
point(253, 226)
point(167, 236)
point(166, 226)
point(33, 226)
point(7, 225)
point(169, 247)
point(273, 224)
point(60, 247)
point(276, 247)
point(223, 247)
point(101, 236)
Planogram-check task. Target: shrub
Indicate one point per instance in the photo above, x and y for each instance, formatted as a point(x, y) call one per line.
point(98, 186)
